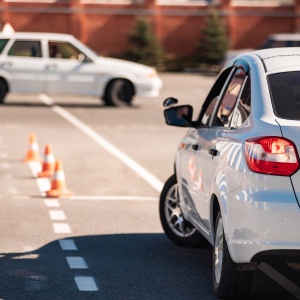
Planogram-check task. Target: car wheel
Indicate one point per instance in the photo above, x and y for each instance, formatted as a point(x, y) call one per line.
point(228, 283)
point(119, 92)
point(177, 229)
point(3, 91)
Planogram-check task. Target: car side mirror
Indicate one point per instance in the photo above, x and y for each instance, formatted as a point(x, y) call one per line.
point(170, 101)
point(180, 116)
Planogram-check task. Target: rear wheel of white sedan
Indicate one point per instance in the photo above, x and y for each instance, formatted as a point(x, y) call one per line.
point(228, 283)
point(177, 229)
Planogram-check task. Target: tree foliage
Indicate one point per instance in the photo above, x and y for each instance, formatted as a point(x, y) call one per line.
point(214, 40)
point(145, 46)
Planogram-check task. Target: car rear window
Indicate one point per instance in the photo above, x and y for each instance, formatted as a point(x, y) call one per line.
point(3, 43)
point(285, 94)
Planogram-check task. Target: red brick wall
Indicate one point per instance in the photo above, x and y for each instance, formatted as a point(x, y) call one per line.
point(105, 27)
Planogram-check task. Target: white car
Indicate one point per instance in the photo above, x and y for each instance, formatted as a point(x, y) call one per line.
point(59, 63)
point(236, 175)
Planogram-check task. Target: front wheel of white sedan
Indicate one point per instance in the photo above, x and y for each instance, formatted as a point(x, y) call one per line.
point(228, 283)
point(177, 229)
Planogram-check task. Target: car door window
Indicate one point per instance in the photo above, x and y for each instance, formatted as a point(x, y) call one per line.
point(243, 107)
point(64, 50)
point(3, 43)
point(225, 110)
point(26, 49)
point(213, 97)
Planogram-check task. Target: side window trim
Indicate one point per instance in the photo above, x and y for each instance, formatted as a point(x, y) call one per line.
point(206, 103)
point(218, 119)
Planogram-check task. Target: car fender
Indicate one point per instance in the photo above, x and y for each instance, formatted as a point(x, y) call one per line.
point(105, 79)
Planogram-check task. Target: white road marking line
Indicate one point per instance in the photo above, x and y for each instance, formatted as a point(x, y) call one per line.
point(5, 166)
point(68, 244)
point(35, 167)
point(52, 203)
point(113, 198)
point(12, 190)
point(147, 176)
point(76, 262)
point(281, 280)
point(61, 228)
point(57, 215)
point(86, 284)
point(43, 183)
point(3, 155)
point(20, 197)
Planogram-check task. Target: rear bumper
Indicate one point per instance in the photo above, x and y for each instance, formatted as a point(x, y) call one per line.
point(262, 224)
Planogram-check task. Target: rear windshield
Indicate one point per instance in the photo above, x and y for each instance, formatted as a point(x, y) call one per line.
point(285, 94)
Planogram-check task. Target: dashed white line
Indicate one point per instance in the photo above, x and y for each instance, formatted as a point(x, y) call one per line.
point(57, 215)
point(77, 262)
point(61, 228)
point(128, 161)
point(52, 203)
point(68, 244)
point(86, 283)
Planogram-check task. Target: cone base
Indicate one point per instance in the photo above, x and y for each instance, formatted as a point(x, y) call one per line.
point(59, 193)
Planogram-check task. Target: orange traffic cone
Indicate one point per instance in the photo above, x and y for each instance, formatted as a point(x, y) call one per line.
point(58, 184)
point(33, 151)
point(48, 163)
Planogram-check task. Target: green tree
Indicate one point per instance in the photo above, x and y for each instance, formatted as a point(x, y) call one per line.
point(214, 40)
point(145, 46)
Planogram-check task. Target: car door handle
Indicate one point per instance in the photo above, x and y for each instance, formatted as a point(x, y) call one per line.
point(51, 67)
point(195, 147)
point(6, 64)
point(213, 152)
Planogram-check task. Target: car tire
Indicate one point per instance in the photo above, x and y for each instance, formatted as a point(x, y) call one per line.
point(228, 283)
point(119, 93)
point(177, 229)
point(3, 91)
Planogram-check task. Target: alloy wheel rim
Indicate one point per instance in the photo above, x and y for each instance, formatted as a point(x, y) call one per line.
point(218, 251)
point(174, 215)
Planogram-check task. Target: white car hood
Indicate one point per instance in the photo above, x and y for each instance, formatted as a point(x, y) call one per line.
point(119, 65)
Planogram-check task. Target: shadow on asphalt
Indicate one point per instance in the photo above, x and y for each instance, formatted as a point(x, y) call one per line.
point(124, 266)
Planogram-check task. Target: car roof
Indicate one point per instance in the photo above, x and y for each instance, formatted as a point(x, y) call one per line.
point(284, 36)
point(35, 35)
point(275, 59)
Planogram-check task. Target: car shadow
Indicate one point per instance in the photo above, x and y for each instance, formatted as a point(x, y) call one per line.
point(123, 266)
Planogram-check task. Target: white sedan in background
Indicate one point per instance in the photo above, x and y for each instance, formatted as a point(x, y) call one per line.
point(236, 181)
point(59, 63)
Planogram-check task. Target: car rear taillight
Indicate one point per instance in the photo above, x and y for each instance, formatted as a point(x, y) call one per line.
point(271, 155)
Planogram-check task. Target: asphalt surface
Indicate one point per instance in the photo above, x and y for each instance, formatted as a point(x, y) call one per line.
point(105, 241)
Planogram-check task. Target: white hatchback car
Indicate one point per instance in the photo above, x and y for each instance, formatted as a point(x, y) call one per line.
point(236, 175)
point(59, 63)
